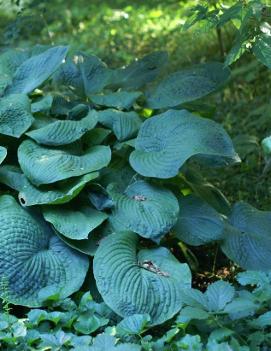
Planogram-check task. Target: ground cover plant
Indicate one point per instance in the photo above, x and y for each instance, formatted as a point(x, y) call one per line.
point(103, 194)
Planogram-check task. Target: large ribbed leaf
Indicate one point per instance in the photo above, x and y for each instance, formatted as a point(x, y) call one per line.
point(125, 125)
point(166, 141)
point(148, 210)
point(15, 115)
point(32, 257)
point(44, 165)
point(247, 238)
point(36, 70)
point(198, 223)
point(29, 195)
point(94, 72)
point(64, 132)
point(3, 153)
point(119, 99)
point(188, 85)
point(140, 72)
point(74, 223)
point(131, 282)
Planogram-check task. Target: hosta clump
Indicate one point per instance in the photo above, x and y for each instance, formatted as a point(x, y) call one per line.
point(92, 177)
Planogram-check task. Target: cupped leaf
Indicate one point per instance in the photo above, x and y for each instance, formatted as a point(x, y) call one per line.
point(3, 153)
point(33, 258)
point(119, 99)
point(44, 165)
point(140, 72)
point(166, 141)
point(198, 223)
point(64, 132)
point(75, 224)
point(144, 282)
point(36, 70)
point(219, 294)
point(148, 210)
point(247, 238)
point(15, 115)
point(125, 125)
point(29, 195)
point(188, 85)
point(42, 105)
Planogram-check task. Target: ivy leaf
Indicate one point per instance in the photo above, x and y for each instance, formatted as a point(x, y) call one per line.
point(44, 165)
point(125, 125)
point(64, 132)
point(3, 153)
point(74, 223)
point(219, 294)
point(148, 210)
point(166, 141)
point(188, 85)
point(198, 223)
point(36, 70)
point(33, 258)
point(119, 99)
point(247, 237)
point(29, 195)
point(15, 115)
point(153, 284)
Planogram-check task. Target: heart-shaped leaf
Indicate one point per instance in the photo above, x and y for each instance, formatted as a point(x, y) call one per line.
point(36, 70)
point(44, 165)
point(148, 210)
point(247, 238)
point(74, 223)
point(15, 115)
point(166, 141)
point(188, 85)
point(144, 282)
point(29, 195)
point(198, 223)
point(125, 125)
point(64, 132)
point(33, 258)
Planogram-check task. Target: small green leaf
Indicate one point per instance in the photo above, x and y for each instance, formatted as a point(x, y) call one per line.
point(262, 49)
point(219, 294)
point(3, 153)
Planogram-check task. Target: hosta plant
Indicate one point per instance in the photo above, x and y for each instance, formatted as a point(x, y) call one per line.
point(95, 162)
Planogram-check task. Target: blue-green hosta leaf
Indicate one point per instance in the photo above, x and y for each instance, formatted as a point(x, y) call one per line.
point(219, 294)
point(33, 258)
point(188, 313)
point(74, 223)
point(15, 115)
point(247, 238)
point(3, 153)
point(166, 141)
point(119, 99)
point(188, 85)
point(56, 194)
point(262, 49)
point(42, 105)
point(44, 165)
point(263, 321)
point(198, 223)
point(95, 136)
point(133, 325)
point(144, 282)
point(140, 72)
point(125, 125)
point(36, 70)
point(64, 132)
point(148, 210)
point(94, 72)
